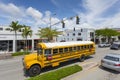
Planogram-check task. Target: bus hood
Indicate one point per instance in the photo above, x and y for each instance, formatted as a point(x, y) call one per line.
point(30, 57)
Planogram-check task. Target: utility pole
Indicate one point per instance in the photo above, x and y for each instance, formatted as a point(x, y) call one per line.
point(51, 20)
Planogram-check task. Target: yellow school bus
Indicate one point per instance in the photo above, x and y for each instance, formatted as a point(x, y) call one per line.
point(52, 54)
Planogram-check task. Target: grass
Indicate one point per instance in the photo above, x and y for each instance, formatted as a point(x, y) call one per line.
point(58, 74)
point(19, 53)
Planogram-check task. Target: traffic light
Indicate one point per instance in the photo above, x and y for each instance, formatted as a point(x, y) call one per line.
point(63, 24)
point(77, 20)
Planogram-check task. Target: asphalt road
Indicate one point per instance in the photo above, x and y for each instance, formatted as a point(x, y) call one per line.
point(12, 69)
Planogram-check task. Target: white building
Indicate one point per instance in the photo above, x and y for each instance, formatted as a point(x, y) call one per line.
point(77, 34)
point(7, 38)
point(7, 41)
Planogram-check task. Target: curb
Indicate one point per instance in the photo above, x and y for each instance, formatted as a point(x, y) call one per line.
point(5, 56)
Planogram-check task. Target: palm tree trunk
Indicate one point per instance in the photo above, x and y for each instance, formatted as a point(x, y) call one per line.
point(26, 45)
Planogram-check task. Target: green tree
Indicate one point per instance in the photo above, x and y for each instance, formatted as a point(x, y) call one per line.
point(107, 33)
point(15, 26)
point(118, 35)
point(26, 32)
point(48, 33)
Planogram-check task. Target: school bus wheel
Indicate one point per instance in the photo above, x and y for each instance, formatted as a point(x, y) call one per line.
point(34, 70)
point(82, 58)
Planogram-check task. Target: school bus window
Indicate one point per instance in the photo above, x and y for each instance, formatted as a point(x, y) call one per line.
point(78, 47)
point(47, 52)
point(70, 49)
point(65, 49)
point(91, 46)
point(85, 47)
point(61, 50)
point(88, 46)
point(81, 47)
point(55, 51)
point(74, 48)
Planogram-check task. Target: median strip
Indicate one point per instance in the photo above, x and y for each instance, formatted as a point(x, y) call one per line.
point(58, 74)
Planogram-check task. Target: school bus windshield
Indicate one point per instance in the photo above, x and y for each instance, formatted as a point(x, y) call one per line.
point(39, 51)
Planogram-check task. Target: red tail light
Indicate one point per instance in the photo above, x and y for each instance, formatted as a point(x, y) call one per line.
point(117, 64)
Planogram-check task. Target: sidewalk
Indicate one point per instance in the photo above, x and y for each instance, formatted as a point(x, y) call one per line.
point(5, 56)
point(11, 60)
point(86, 66)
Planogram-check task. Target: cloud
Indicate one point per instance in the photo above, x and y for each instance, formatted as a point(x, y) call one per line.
point(34, 13)
point(11, 10)
point(111, 21)
point(95, 10)
point(28, 16)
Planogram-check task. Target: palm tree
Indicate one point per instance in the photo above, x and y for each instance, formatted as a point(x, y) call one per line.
point(14, 26)
point(26, 32)
point(48, 33)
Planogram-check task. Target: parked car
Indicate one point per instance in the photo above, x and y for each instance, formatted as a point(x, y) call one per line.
point(111, 61)
point(115, 45)
point(104, 45)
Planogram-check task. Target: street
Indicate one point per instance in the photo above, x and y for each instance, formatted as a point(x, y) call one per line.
point(12, 69)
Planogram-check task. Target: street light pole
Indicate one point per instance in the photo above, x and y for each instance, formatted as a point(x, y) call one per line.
point(51, 20)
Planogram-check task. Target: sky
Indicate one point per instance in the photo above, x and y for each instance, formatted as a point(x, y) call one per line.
point(37, 13)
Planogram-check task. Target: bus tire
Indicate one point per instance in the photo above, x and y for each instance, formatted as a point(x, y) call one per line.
point(82, 58)
point(34, 70)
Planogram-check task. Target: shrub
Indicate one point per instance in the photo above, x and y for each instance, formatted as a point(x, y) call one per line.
point(20, 53)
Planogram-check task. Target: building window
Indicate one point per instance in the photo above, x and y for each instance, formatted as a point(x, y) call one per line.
point(73, 34)
point(79, 34)
point(67, 34)
point(20, 30)
point(79, 39)
point(81, 30)
point(68, 39)
point(91, 34)
point(1, 29)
